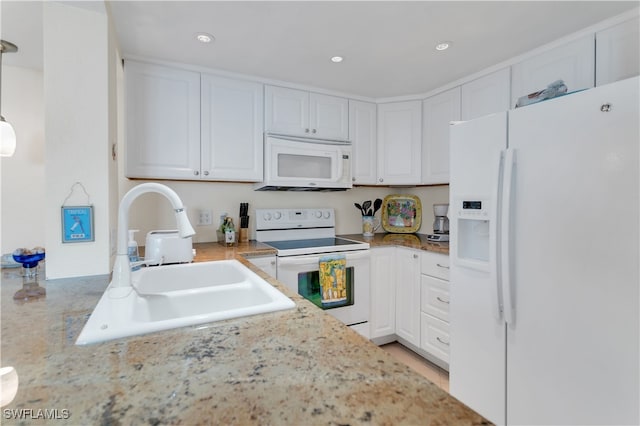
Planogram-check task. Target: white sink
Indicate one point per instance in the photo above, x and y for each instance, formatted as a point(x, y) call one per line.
point(172, 296)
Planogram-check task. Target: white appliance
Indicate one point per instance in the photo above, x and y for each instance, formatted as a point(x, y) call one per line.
point(299, 164)
point(545, 261)
point(165, 246)
point(302, 237)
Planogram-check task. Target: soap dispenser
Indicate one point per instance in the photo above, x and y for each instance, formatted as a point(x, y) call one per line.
point(132, 249)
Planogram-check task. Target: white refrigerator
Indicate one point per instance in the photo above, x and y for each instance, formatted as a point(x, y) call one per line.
point(544, 250)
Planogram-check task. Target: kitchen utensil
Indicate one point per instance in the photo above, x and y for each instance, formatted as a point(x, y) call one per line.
point(365, 208)
point(376, 205)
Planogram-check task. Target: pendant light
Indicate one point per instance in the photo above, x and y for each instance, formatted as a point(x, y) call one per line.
point(7, 134)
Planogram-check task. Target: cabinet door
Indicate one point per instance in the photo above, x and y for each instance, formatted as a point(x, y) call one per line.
point(286, 111)
point(383, 292)
point(572, 62)
point(232, 113)
point(328, 117)
point(362, 130)
point(435, 264)
point(437, 112)
point(618, 52)
point(486, 95)
point(435, 337)
point(399, 143)
point(266, 263)
point(408, 295)
point(434, 296)
point(162, 110)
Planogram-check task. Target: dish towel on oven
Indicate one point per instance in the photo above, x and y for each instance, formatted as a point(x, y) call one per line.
point(333, 280)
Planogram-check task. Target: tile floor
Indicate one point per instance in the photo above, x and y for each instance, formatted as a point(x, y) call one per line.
point(431, 371)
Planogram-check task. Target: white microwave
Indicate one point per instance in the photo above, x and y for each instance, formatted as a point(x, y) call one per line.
point(297, 164)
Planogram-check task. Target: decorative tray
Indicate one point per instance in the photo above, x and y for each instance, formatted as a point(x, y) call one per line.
point(401, 214)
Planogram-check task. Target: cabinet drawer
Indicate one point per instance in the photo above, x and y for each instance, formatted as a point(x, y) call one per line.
point(434, 297)
point(434, 337)
point(435, 264)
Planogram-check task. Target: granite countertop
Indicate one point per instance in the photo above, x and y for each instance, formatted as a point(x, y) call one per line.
point(299, 366)
point(416, 241)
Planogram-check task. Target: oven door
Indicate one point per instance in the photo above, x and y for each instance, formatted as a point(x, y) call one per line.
point(301, 274)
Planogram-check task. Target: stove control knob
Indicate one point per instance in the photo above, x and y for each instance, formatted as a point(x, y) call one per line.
point(318, 214)
point(277, 215)
point(327, 214)
point(267, 216)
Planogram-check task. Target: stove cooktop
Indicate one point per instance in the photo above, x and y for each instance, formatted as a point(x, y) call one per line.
point(315, 245)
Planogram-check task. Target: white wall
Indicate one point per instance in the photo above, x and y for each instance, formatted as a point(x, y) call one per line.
point(78, 133)
point(23, 175)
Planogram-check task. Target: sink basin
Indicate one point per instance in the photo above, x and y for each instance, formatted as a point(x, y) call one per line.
point(173, 296)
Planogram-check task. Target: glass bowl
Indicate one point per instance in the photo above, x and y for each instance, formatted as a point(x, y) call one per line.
point(28, 260)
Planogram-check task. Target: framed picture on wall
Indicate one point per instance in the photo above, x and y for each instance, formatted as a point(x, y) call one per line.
point(77, 224)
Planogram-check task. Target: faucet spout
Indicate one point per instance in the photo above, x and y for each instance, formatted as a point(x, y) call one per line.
point(121, 279)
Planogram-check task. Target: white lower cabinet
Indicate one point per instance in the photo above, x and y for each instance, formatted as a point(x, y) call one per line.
point(408, 294)
point(410, 301)
point(434, 307)
point(266, 263)
point(434, 337)
point(383, 293)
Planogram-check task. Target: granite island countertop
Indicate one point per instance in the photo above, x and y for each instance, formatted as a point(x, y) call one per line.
point(299, 366)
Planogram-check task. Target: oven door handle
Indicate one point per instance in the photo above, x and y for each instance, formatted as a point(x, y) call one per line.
point(306, 259)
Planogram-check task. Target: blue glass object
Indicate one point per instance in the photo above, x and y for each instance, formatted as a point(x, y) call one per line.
point(28, 260)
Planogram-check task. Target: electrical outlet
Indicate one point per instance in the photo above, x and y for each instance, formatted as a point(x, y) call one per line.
point(205, 218)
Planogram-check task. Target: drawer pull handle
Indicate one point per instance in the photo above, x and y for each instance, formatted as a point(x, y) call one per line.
point(442, 266)
point(442, 341)
point(442, 300)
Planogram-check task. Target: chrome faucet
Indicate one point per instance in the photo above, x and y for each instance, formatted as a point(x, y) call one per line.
point(121, 278)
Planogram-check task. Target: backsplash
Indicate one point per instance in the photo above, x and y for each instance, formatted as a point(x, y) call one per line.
point(152, 212)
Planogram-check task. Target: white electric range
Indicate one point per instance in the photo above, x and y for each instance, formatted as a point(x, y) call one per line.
point(302, 237)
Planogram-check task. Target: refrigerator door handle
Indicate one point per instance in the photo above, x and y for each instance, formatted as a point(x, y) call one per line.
point(505, 235)
point(494, 236)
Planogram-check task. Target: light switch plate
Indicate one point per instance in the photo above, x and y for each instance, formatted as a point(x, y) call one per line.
point(205, 218)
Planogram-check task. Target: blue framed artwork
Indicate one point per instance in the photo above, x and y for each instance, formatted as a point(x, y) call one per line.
point(77, 224)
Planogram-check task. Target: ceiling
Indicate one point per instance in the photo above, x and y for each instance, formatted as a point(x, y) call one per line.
point(388, 46)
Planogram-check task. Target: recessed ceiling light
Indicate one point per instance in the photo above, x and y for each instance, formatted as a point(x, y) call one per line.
point(337, 59)
point(443, 45)
point(204, 37)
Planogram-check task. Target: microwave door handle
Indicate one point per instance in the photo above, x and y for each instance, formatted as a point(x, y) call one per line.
point(340, 160)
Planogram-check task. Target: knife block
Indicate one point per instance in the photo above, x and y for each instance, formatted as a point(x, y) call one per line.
point(244, 235)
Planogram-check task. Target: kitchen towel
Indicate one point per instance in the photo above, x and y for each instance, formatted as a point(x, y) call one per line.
point(333, 280)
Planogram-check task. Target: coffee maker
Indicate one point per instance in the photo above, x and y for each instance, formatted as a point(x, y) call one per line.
point(440, 224)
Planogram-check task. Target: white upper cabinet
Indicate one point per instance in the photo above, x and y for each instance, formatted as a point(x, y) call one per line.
point(301, 113)
point(486, 95)
point(329, 117)
point(232, 129)
point(618, 52)
point(572, 62)
point(162, 115)
point(286, 111)
point(399, 143)
point(362, 129)
point(184, 125)
point(437, 112)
